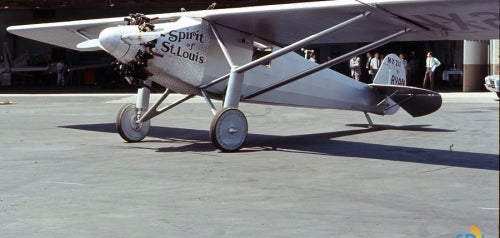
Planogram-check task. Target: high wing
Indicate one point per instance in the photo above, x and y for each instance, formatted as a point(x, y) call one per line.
point(286, 23)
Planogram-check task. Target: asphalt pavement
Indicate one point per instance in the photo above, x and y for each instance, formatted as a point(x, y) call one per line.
point(65, 172)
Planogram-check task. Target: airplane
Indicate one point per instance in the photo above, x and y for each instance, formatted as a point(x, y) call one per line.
point(23, 65)
point(248, 54)
point(10, 66)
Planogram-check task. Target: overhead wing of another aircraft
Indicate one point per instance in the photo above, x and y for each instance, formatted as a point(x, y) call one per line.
point(9, 67)
point(287, 23)
point(20, 66)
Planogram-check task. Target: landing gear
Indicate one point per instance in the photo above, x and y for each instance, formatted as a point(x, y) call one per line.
point(127, 125)
point(228, 129)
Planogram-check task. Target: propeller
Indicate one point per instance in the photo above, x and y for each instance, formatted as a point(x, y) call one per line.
point(132, 45)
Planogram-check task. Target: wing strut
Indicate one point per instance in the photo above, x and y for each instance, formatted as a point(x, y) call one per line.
point(222, 45)
point(327, 64)
point(297, 45)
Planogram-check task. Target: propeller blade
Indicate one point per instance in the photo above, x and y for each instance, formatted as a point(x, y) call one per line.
point(140, 38)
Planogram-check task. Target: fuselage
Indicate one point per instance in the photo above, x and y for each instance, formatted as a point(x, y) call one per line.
point(188, 55)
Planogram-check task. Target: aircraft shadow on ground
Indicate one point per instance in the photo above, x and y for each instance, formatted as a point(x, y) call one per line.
point(194, 140)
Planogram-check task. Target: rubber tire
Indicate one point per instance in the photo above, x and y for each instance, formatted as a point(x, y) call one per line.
point(126, 126)
point(224, 121)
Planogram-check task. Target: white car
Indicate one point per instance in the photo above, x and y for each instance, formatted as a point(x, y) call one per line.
point(492, 83)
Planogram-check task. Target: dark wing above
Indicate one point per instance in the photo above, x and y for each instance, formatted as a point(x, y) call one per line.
point(428, 19)
point(287, 23)
point(64, 34)
point(69, 34)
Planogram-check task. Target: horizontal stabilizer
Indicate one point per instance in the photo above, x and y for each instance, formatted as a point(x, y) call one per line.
point(416, 101)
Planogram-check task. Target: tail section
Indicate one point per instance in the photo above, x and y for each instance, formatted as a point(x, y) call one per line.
point(390, 81)
point(416, 101)
point(391, 72)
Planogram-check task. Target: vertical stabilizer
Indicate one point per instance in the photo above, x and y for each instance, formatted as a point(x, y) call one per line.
point(392, 71)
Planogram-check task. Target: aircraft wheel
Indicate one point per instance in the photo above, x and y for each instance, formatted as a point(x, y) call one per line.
point(128, 129)
point(228, 129)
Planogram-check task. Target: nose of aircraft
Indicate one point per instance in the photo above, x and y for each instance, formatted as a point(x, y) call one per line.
point(110, 40)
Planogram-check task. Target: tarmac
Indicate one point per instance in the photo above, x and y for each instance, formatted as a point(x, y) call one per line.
point(65, 172)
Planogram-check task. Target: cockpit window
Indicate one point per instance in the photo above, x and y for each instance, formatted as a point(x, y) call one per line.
point(260, 50)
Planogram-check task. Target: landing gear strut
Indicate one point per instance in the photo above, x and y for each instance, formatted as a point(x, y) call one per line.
point(130, 122)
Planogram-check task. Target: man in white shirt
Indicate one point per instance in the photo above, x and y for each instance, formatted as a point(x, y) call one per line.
point(355, 66)
point(374, 65)
point(431, 63)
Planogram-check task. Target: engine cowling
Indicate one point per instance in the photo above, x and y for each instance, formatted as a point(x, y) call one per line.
point(111, 41)
point(132, 45)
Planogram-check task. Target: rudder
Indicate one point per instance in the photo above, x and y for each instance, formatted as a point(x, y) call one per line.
point(391, 72)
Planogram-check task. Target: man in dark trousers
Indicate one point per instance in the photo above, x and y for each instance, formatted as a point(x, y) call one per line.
point(431, 63)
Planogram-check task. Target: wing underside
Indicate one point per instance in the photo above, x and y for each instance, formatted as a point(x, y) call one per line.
point(287, 23)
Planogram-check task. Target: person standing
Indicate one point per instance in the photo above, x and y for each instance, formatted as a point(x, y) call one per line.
point(368, 60)
point(312, 57)
point(355, 66)
point(405, 64)
point(412, 67)
point(60, 73)
point(374, 65)
point(366, 74)
point(308, 54)
point(431, 63)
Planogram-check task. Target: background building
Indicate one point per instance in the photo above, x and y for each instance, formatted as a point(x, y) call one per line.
point(477, 58)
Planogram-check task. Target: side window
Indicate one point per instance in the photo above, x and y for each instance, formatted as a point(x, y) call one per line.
point(260, 50)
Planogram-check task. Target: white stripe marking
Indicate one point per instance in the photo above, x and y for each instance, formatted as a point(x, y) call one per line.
point(488, 208)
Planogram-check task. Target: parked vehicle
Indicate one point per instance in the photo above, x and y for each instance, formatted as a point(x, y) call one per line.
point(492, 83)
